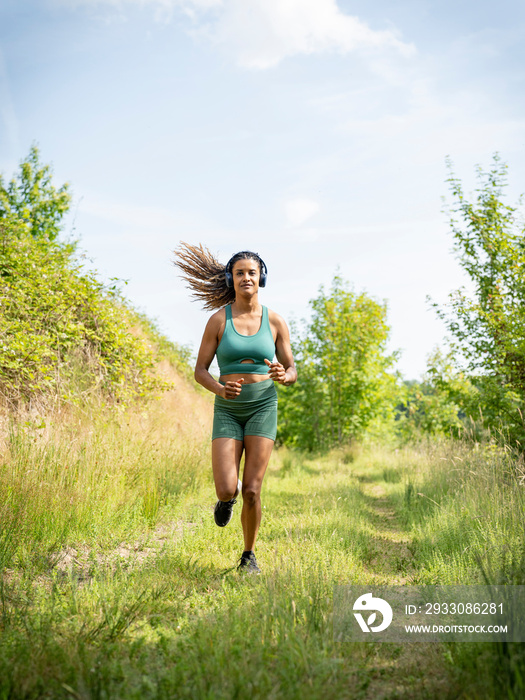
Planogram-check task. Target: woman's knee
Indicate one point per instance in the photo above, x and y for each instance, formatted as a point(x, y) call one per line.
point(251, 493)
point(225, 492)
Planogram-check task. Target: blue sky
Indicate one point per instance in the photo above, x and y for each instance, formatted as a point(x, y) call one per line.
point(312, 131)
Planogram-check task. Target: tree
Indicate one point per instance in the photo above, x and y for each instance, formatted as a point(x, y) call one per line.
point(439, 402)
point(32, 198)
point(343, 381)
point(488, 325)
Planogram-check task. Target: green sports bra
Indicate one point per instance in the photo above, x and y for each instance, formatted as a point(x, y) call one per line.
point(235, 347)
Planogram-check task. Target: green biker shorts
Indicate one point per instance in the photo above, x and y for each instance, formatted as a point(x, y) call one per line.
point(253, 412)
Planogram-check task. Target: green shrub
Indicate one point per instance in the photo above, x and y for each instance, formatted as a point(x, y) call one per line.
point(61, 331)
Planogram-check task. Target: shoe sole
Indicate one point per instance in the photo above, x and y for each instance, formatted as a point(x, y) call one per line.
point(239, 488)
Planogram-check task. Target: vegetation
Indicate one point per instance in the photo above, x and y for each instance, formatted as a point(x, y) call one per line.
point(488, 324)
point(31, 197)
point(114, 580)
point(344, 381)
point(437, 404)
point(63, 334)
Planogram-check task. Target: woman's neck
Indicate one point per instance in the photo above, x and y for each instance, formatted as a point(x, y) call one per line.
point(247, 306)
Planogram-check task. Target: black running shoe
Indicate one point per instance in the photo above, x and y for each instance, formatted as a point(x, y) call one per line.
point(223, 512)
point(248, 564)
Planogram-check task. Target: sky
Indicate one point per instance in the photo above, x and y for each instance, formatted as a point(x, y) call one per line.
point(314, 132)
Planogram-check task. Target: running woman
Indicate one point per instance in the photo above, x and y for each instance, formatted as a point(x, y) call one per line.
point(246, 337)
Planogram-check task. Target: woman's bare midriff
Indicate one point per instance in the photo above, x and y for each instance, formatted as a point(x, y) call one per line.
point(248, 378)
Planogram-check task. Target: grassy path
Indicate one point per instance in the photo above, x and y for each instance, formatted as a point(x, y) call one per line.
point(412, 670)
point(391, 562)
point(162, 612)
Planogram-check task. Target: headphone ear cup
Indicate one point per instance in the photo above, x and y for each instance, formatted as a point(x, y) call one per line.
point(229, 279)
point(264, 274)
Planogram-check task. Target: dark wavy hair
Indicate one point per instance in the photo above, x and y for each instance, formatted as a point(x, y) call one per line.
point(204, 274)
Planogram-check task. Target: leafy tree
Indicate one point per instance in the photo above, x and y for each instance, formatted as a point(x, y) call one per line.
point(31, 198)
point(488, 325)
point(343, 383)
point(439, 403)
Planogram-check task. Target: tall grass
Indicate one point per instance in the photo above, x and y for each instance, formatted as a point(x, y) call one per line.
point(465, 505)
point(117, 584)
point(92, 480)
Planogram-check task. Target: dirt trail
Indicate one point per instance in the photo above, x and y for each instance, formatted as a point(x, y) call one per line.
point(391, 560)
point(411, 671)
point(82, 561)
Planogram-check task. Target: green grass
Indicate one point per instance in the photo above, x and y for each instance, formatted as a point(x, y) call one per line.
point(117, 584)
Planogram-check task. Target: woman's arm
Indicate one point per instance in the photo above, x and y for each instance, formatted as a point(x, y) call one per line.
point(283, 371)
point(209, 343)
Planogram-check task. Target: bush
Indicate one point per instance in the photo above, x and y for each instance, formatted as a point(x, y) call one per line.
point(60, 328)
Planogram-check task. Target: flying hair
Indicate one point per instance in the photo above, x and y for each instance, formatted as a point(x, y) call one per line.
point(205, 275)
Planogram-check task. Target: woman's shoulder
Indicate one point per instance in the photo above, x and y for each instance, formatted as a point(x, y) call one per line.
point(276, 320)
point(217, 320)
point(220, 314)
point(216, 324)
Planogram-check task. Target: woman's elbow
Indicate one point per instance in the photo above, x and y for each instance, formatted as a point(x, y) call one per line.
point(198, 373)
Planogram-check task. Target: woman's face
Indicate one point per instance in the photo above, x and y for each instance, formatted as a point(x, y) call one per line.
point(246, 275)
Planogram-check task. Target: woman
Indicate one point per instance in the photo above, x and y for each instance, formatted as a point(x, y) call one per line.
point(244, 336)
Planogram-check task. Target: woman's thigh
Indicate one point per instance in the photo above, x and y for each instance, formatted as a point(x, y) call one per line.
point(226, 456)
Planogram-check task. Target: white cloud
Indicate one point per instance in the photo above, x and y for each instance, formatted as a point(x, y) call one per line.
point(259, 34)
point(298, 211)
